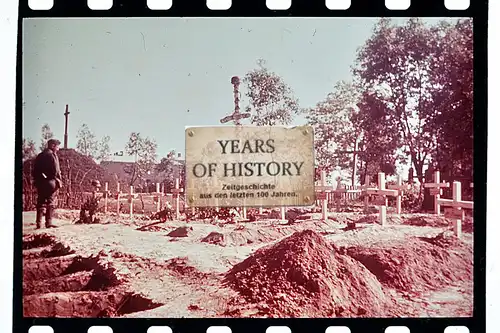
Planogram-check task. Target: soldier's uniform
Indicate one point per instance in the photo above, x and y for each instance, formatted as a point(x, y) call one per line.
point(47, 179)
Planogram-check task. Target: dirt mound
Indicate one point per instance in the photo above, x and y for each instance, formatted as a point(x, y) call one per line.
point(214, 238)
point(180, 232)
point(180, 266)
point(37, 240)
point(302, 275)
point(427, 221)
point(417, 264)
point(444, 239)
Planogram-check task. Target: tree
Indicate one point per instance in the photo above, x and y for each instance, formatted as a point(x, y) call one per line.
point(47, 134)
point(104, 151)
point(144, 152)
point(87, 143)
point(28, 149)
point(337, 134)
point(394, 68)
point(453, 93)
point(167, 165)
point(271, 100)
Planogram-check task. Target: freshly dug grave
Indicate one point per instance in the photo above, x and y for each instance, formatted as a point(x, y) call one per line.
point(418, 264)
point(303, 275)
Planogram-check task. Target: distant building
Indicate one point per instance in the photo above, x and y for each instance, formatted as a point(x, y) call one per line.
point(119, 168)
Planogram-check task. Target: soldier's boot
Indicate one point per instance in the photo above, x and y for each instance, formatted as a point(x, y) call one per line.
point(48, 217)
point(39, 215)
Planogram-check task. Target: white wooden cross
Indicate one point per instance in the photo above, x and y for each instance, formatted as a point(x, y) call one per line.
point(118, 194)
point(435, 190)
point(400, 187)
point(338, 193)
point(457, 208)
point(105, 195)
point(381, 192)
point(322, 190)
point(157, 197)
point(176, 194)
point(131, 198)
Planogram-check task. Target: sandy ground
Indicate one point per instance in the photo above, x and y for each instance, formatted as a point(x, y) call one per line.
point(146, 273)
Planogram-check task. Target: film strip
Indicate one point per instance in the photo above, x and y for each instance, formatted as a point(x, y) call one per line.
point(141, 228)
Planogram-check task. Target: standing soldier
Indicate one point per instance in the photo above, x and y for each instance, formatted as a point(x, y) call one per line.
point(47, 179)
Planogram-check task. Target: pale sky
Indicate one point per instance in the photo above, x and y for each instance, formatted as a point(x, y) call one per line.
point(156, 76)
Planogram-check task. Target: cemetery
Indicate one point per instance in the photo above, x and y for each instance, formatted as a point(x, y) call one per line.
point(220, 262)
point(364, 207)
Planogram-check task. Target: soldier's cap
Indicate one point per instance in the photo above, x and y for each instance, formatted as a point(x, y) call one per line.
point(53, 142)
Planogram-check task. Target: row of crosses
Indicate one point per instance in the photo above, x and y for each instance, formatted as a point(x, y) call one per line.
point(454, 207)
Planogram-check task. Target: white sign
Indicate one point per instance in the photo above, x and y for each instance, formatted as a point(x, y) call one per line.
point(245, 166)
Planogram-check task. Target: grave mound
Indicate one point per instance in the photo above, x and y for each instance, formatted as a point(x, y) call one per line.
point(418, 264)
point(303, 275)
point(214, 238)
point(180, 232)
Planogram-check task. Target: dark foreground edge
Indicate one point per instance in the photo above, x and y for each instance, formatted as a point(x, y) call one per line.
point(257, 8)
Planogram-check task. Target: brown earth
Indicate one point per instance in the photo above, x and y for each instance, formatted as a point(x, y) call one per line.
point(412, 267)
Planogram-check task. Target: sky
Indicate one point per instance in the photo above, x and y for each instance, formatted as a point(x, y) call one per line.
point(157, 75)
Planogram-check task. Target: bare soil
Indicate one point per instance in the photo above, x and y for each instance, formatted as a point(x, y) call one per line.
point(412, 267)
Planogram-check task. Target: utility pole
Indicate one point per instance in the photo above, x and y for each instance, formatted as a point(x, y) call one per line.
point(66, 114)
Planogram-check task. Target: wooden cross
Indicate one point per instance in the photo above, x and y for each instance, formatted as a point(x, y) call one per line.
point(435, 190)
point(321, 191)
point(338, 193)
point(105, 195)
point(157, 197)
point(400, 187)
point(235, 117)
point(363, 188)
point(456, 213)
point(176, 194)
point(131, 197)
point(118, 194)
point(381, 201)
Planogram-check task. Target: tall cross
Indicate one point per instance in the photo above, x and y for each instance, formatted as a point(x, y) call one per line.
point(435, 190)
point(457, 206)
point(321, 194)
point(381, 192)
point(400, 187)
point(66, 114)
point(236, 115)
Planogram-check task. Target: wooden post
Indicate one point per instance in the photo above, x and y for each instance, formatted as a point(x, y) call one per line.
point(244, 213)
point(131, 199)
point(118, 198)
point(158, 194)
point(260, 210)
point(106, 193)
point(283, 213)
point(176, 193)
point(324, 204)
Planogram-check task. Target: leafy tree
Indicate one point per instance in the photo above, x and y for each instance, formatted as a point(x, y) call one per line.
point(337, 134)
point(394, 68)
point(47, 134)
point(28, 149)
point(167, 165)
point(144, 152)
point(271, 100)
point(87, 143)
point(452, 73)
point(104, 151)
